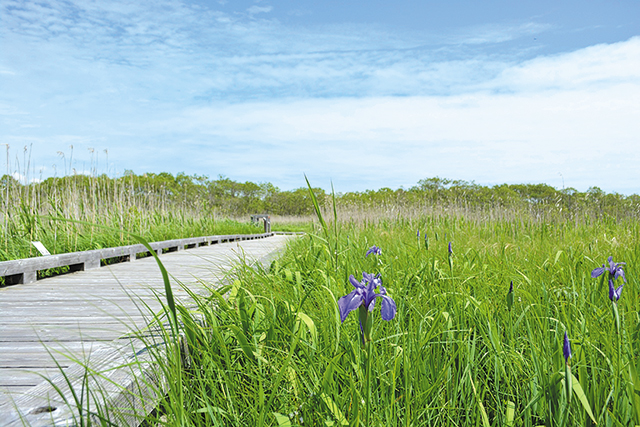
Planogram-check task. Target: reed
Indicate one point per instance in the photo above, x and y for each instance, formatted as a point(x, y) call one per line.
point(59, 213)
point(273, 351)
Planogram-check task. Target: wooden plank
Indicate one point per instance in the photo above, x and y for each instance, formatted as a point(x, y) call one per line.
point(84, 315)
point(25, 269)
point(48, 403)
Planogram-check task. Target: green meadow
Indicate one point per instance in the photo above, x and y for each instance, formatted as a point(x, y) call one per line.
point(269, 348)
point(80, 212)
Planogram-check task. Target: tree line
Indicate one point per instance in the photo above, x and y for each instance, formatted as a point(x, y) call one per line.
point(164, 191)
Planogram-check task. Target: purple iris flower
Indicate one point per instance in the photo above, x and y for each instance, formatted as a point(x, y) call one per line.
point(615, 270)
point(450, 250)
point(373, 250)
point(365, 295)
point(566, 348)
point(614, 293)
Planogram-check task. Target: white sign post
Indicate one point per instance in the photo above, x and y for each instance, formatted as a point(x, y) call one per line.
point(40, 247)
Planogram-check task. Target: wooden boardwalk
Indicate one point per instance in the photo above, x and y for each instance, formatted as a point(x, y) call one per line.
point(86, 314)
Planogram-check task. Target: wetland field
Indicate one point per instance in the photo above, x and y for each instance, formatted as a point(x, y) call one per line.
point(492, 322)
point(393, 309)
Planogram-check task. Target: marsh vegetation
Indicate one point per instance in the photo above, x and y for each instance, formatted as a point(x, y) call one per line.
point(486, 282)
point(483, 305)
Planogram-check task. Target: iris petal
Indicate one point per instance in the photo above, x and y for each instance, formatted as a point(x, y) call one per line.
point(597, 272)
point(373, 250)
point(348, 303)
point(566, 347)
point(612, 291)
point(368, 277)
point(621, 273)
point(364, 295)
point(354, 282)
point(388, 309)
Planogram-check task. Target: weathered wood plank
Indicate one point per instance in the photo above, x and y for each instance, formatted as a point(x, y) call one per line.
point(24, 270)
point(44, 405)
point(84, 315)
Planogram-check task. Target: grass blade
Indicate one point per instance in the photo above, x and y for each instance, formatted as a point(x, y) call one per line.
point(334, 409)
point(316, 207)
point(579, 392)
point(510, 415)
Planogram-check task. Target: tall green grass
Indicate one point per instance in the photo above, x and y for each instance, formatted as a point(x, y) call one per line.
point(33, 213)
point(269, 348)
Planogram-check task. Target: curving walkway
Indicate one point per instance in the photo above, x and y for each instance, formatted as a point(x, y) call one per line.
point(84, 316)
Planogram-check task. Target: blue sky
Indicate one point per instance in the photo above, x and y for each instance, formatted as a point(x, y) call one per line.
point(366, 94)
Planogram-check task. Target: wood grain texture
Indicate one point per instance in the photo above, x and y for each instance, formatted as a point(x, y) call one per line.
point(80, 322)
point(25, 270)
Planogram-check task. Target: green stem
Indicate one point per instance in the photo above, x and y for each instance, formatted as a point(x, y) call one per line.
point(619, 355)
point(619, 372)
point(368, 350)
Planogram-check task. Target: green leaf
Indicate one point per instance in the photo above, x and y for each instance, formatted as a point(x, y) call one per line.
point(311, 326)
point(209, 409)
point(243, 312)
point(233, 294)
point(568, 381)
point(217, 295)
point(283, 420)
point(244, 344)
point(577, 390)
point(557, 256)
point(483, 413)
point(291, 373)
point(334, 409)
point(298, 280)
point(288, 275)
point(510, 415)
point(316, 207)
point(336, 317)
point(524, 276)
point(327, 378)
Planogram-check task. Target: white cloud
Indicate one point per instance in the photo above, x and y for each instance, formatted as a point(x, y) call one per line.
point(160, 83)
point(514, 136)
point(498, 33)
point(25, 179)
point(582, 116)
point(255, 9)
point(594, 66)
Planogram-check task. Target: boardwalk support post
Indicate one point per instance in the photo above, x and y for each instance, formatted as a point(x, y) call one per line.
point(262, 217)
point(29, 276)
point(90, 264)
